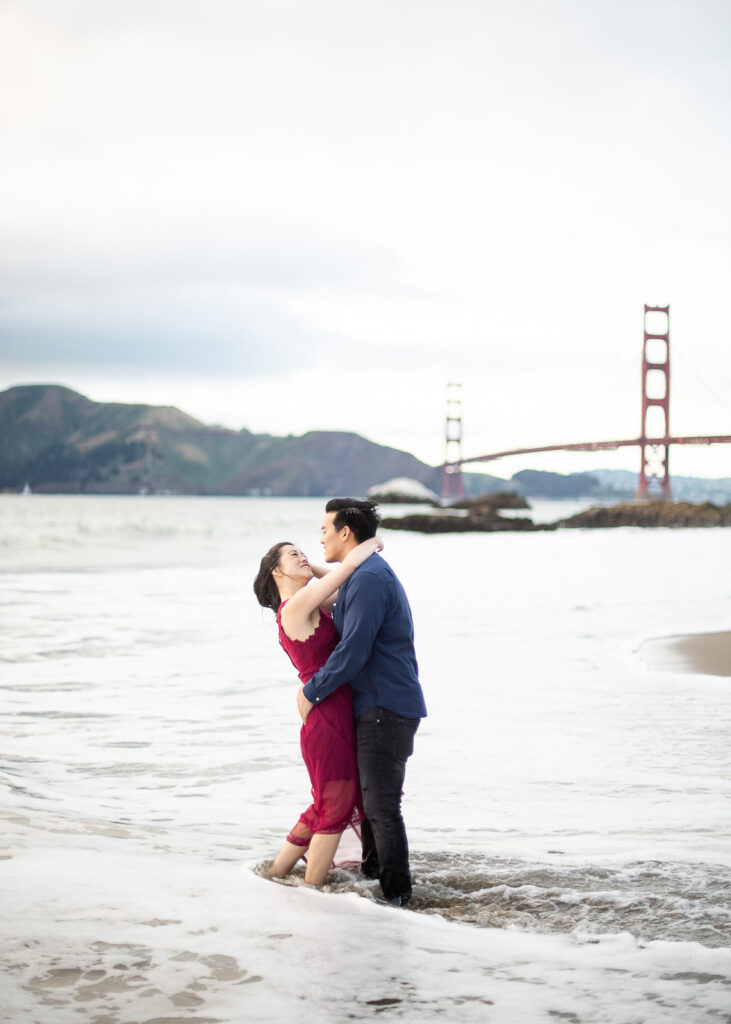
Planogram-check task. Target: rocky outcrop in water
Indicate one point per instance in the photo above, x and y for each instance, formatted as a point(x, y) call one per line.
point(446, 523)
point(478, 515)
point(498, 499)
point(653, 513)
point(482, 517)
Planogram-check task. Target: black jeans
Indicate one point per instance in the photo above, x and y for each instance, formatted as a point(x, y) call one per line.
point(385, 743)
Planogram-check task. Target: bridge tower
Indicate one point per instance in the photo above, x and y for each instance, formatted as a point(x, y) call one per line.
point(655, 457)
point(452, 483)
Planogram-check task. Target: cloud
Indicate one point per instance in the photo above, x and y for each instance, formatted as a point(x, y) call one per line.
point(486, 190)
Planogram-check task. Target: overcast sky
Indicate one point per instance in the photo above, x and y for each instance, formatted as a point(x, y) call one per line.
point(289, 216)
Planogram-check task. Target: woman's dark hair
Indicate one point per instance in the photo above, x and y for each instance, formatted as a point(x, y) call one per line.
point(265, 588)
point(360, 516)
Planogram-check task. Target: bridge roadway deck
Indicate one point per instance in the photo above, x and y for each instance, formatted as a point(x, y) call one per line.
point(597, 446)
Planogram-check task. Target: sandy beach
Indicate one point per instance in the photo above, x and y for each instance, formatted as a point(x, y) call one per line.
point(707, 653)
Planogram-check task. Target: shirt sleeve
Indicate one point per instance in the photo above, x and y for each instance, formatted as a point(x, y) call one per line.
point(365, 608)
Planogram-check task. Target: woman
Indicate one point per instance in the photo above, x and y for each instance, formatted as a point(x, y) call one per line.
point(302, 598)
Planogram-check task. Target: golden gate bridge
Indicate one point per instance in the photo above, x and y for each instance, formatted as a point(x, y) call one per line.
point(654, 476)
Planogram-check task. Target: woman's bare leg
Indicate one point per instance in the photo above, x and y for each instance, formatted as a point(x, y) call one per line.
point(286, 860)
point(320, 857)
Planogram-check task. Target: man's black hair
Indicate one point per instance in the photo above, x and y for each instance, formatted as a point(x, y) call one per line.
point(360, 516)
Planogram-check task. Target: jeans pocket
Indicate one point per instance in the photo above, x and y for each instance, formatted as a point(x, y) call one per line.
point(403, 731)
point(370, 716)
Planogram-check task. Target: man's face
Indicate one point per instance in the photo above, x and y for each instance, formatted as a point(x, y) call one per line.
point(332, 540)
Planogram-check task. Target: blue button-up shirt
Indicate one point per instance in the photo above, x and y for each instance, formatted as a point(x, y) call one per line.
point(376, 649)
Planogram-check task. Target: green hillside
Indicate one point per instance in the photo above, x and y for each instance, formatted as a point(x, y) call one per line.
point(58, 441)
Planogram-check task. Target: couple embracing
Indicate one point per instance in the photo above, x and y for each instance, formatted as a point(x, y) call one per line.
point(349, 634)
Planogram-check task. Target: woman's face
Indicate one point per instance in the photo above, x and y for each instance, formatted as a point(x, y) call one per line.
point(293, 564)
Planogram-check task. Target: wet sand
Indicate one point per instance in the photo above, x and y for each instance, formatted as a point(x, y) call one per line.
point(706, 653)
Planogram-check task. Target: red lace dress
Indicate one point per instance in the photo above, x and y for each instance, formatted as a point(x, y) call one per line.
point(327, 739)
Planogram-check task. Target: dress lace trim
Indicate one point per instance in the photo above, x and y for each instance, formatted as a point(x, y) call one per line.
point(294, 639)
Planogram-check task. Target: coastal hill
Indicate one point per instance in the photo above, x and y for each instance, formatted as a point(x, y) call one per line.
point(58, 441)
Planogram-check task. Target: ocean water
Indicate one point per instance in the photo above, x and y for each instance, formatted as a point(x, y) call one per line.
point(567, 803)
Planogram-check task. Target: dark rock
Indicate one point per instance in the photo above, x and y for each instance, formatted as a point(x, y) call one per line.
point(482, 519)
point(672, 514)
point(498, 499)
point(470, 523)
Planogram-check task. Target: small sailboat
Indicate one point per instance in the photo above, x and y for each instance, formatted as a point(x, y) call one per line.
point(26, 488)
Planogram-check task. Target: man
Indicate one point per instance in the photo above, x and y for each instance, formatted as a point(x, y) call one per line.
point(376, 656)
